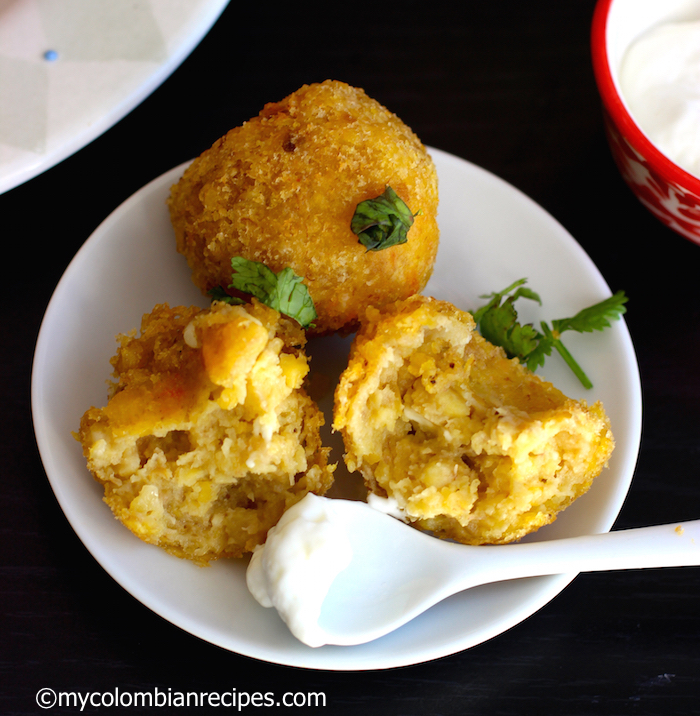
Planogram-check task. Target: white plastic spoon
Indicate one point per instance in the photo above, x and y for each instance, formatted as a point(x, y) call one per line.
point(397, 572)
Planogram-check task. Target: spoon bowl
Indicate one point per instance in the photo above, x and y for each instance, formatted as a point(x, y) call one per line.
point(397, 572)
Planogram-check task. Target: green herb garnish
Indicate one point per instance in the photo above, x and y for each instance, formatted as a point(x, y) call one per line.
point(382, 222)
point(284, 291)
point(218, 293)
point(497, 321)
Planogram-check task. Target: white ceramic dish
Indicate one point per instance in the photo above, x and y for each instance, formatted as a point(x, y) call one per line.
point(491, 234)
point(70, 70)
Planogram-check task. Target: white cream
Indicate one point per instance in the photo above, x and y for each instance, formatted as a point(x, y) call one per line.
point(660, 82)
point(296, 566)
point(387, 505)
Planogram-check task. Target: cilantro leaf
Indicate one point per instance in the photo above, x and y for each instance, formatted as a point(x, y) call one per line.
point(292, 298)
point(219, 294)
point(536, 358)
point(283, 291)
point(382, 222)
point(497, 321)
point(594, 318)
point(500, 325)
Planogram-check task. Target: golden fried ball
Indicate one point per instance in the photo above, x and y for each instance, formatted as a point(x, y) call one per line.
point(208, 435)
point(283, 187)
point(471, 445)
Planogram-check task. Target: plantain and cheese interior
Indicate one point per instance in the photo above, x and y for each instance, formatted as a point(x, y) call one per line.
point(208, 435)
point(472, 446)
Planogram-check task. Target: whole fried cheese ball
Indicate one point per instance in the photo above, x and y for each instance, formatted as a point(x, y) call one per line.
point(471, 445)
point(208, 435)
point(282, 189)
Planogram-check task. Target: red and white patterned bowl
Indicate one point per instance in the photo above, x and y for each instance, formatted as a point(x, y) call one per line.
point(669, 192)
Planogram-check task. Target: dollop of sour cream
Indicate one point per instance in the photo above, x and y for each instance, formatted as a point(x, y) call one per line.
point(387, 505)
point(660, 82)
point(296, 566)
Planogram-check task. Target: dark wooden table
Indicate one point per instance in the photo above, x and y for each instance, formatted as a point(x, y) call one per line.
point(507, 85)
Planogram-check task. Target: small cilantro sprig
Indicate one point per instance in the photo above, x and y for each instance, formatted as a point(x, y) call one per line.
point(497, 321)
point(382, 222)
point(283, 291)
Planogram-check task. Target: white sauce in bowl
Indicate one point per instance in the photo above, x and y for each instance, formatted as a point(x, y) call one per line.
point(660, 82)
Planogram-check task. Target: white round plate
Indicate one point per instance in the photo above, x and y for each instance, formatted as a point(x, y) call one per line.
point(70, 70)
point(491, 235)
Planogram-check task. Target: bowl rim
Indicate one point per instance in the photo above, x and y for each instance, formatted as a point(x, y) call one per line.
point(615, 107)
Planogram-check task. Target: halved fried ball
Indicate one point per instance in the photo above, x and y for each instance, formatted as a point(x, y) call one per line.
point(208, 435)
point(282, 189)
point(471, 445)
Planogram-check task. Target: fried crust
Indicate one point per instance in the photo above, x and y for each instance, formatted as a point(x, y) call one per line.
point(283, 187)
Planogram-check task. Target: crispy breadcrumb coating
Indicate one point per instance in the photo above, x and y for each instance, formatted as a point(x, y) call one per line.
point(208, 435)
point(283, 187)
point(473, 446)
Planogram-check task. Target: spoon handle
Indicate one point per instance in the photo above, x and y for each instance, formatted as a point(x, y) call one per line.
point(672, 545)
